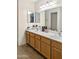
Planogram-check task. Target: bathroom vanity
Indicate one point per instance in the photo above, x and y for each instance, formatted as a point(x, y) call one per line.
point(49, 46)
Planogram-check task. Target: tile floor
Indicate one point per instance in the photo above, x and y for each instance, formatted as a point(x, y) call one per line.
point(26, 52)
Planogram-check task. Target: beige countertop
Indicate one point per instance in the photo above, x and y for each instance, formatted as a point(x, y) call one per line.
point(50, 35)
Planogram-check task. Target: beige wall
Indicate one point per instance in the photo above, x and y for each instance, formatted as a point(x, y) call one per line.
point(23, 6)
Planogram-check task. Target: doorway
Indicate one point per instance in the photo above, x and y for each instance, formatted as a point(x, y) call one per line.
point(54, 21)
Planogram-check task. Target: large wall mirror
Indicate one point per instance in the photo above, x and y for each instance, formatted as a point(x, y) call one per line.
point(33, 17)
point(30, 16)
point(53, 19)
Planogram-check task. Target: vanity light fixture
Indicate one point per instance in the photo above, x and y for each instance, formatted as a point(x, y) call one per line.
point(48, 4)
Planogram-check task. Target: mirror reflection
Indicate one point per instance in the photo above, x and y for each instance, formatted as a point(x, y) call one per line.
point(33, 17)
point(53, 19)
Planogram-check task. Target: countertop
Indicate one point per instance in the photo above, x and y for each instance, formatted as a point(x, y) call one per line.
point(50, 35)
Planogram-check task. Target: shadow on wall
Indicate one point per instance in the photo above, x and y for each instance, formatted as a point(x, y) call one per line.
point(22, 41)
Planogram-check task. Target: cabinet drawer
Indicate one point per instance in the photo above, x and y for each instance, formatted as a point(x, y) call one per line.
point(45, 40)
point(45, 50)
point(37, 36)
point(31, 34)
point(57, 44)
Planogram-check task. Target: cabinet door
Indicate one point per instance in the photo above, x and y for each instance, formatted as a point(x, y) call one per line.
point(45, 50)
point(27, 37)
point(32, 41)
point(37, 44)
point(56, 53)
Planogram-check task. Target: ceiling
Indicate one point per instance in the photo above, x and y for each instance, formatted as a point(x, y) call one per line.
point(34, 0)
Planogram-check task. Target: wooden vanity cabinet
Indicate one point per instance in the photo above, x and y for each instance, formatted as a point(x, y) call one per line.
point(32, 40)
point(51, 49)
point(56, 50)
point(27, 37)
point(45, 47)
point(56, 53)
point(37, 42)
